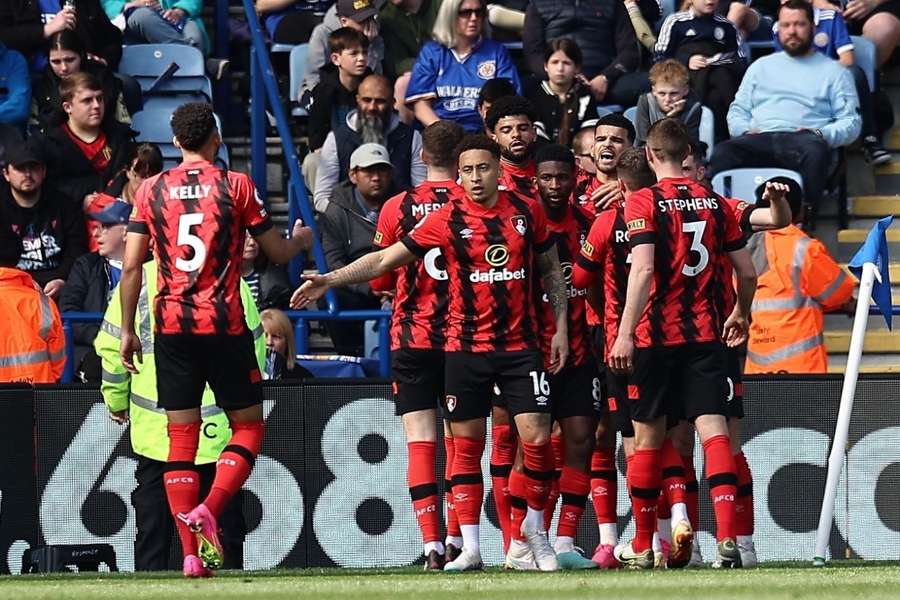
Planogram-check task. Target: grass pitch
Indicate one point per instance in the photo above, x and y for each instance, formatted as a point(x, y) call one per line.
point(847, 579)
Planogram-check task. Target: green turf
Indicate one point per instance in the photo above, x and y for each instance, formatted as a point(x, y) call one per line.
point(853, 580)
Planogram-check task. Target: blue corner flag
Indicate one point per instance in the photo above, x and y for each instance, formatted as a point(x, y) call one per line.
point(875, 250)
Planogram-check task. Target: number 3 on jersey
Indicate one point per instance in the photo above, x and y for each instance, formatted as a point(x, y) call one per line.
point(696, 229)
point(186, 238)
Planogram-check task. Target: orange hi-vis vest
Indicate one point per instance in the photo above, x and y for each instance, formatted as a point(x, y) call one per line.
point(32, 342)
point(798, 282)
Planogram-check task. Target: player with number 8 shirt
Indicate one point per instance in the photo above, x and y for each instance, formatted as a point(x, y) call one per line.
point(196, 215)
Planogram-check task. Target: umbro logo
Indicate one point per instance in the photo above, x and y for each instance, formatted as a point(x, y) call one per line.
point(466, 234)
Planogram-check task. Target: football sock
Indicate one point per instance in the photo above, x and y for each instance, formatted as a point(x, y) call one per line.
point(673, 480)
point(468, 486)
point(559, 459)
point(744, 508)
point(503, 454)
point(182, 482)
point(692, 489)
point(518, 506)
point(532, 485)
point(604, 490)
point(720, 474)
point(234, 464)
point(423, 488)
point(644, 476)
point(574, 486)
point(452, 520)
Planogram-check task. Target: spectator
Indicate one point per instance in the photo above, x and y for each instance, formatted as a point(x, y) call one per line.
point(91, 283)
point(25, 25)
point(876, 20)
point(563, 101)
point(32, 343)
point(85, 151)
point(792, 108)
point(451, 69)
point(833, 40)
point(603, 31)
point(49, 224)
point(268, 283)
point(798, 282)
point(492, 91)
point(582, 144)
point(67, 57)
point(281, 351)
point(159, 21)
point(292, 21)
point(670, 96)
point(372, 121)
point(710, 46)
point(15, 89)
point(361, 15)
point(348, 227)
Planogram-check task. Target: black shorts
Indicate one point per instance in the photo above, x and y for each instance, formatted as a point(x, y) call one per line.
point(578, 392)
point(619, 405)
point(734, 384)
point(469, 380)
point(418, 379)
point(684, 381)
point(185, 363)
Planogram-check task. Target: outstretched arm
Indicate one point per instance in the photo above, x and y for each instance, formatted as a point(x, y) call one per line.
point(555, 287)
point(779, 213)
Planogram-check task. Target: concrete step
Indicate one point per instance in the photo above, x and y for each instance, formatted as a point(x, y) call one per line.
point(858, 236)
point(893, 271)
point(876, 342)
point(875, 206)
point(869, 363)
point(843, 323)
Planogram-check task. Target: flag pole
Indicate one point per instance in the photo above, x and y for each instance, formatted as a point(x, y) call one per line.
point(841, 430)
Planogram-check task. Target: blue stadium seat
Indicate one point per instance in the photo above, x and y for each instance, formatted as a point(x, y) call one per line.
point(277, 48)
point(146, 62)
point(742, 183)
point(153, 125)
point(864, 53)
point(605, 109)
point(298, 71)
point(631, 114)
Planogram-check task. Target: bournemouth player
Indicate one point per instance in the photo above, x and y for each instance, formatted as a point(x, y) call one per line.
point(492, 242)
point(418, 334)
point(577, 391)
point(613, 134)
point(196, 215)
point(772, 212)
point(674, 316)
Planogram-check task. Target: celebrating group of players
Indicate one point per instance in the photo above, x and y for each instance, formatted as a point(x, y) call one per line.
point(500, 264)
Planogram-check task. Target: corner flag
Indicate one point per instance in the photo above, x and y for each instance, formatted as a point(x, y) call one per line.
point(875, 250)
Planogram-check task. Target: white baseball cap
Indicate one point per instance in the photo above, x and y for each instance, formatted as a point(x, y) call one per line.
point(369, 155)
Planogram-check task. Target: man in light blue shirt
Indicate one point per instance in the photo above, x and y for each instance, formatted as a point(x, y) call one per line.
point(792, 109)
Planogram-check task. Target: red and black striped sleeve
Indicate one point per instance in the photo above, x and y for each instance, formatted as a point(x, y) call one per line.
point(639, 218)
point(431, 232)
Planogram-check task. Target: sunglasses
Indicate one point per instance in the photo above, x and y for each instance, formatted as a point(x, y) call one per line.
point(468, 13)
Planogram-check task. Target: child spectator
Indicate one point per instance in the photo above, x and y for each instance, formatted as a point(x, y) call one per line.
point(670, 96)
point(268, 282)
point(709, 45)
point(281, 349)
point(563, 101)
point(335, 94)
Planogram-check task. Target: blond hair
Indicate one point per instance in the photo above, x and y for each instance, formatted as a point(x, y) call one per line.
point(280, 324)
point(444, 30)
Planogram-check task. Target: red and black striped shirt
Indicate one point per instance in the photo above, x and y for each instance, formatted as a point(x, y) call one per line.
point(489, 256)
point(607, 250)
point(519, 179)
point(691, 228)
point(421, 299)
point(197, 215)
point(742, 211)
point(569, 233)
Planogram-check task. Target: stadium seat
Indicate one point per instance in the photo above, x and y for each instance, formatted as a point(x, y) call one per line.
point(278, 48)
point(742, 183)
point(864, 54)
point(153, 125)
point(631, 114)
point(606, 109)
point(147, 62)
point(298, 71)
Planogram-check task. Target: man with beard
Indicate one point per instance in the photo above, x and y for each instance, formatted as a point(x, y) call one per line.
point(613, 134)
point(792, 109)
point(373, 122)
point(510, 123)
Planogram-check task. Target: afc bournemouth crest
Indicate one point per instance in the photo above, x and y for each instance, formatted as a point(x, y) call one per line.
point(520, 224)
point(487, 69)
point(451, 402)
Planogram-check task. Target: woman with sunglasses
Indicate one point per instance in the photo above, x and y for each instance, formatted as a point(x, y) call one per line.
point(451, 70)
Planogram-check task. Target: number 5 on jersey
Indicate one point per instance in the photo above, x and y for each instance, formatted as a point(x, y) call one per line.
point(186, 238)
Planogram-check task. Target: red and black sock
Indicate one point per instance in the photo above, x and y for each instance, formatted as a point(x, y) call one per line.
point(559, 459)
point(423, 488)
point(720, 474)
point(673, 475)
point(234, 464)
point(503, 454)
point(182, 482)
point(531, 485)
point(452, 520)
point(692, 491)
point(604, 484)
point(744, 508)
point(468, 485)
point(574, 487)
point(644, 477)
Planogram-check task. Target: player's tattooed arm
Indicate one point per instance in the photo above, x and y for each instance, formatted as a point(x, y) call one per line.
point(553, 280)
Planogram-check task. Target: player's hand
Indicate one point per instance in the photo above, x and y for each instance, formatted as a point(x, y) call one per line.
point(606, 194)
point(129, 347)
point(775, 192)
point(621, 357)
point(119, 416)
point(302, 235)
point(736, 330)
point(54, 288)
point(559, 351)
point(697, 62)
point(312, 289)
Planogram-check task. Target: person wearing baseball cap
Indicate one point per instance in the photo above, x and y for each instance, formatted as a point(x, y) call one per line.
point(348, 227)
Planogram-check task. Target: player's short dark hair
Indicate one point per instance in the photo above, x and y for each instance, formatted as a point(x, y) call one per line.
point(10, 247)
point(555, 153)
point(794, 195)
point(439, 142)
point(192, 124)
point(803, 5)
point(668, 140)
point(147, 160)
point(509, 106)
point(698, 151)
point(494, 89)
point(346, 38)
point(567, 46)
point(632, 168)
point(477, 141)
point(79, 81)
point(617, 120)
